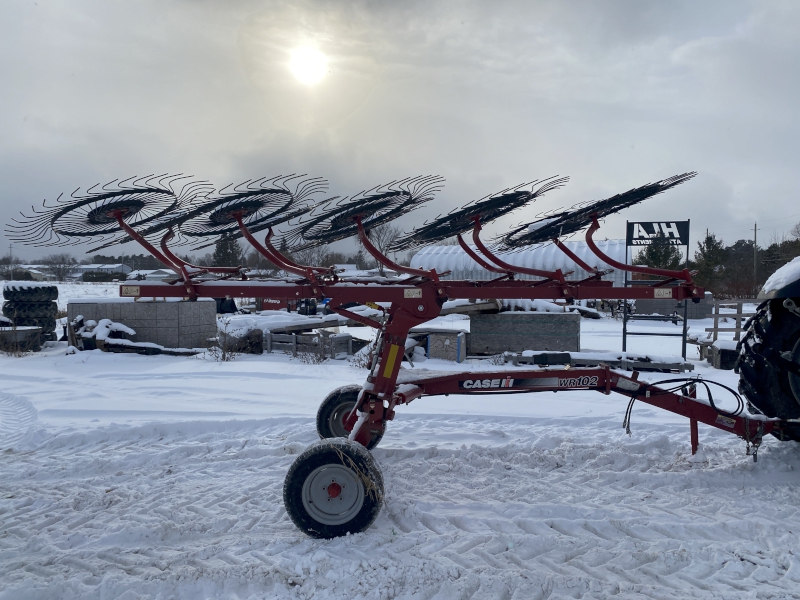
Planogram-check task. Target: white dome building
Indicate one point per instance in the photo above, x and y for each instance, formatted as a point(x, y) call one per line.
point(546, 257)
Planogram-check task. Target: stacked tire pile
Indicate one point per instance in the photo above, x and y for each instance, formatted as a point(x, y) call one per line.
point(32, 304)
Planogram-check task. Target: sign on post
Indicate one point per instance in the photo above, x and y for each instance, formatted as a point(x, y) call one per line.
point(642, 233)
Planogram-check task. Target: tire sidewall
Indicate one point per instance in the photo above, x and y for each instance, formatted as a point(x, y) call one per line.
point(346, 395)
point(336, 451)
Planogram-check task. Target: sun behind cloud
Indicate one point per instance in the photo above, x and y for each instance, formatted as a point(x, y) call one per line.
point(308, 65)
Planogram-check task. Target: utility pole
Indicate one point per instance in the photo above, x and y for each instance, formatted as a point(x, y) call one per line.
point(755, 258)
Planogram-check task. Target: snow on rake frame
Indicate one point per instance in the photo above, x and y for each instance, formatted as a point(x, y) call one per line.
point(335, 486)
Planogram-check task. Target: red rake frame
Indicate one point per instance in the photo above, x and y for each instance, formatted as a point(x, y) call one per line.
point(419, 298)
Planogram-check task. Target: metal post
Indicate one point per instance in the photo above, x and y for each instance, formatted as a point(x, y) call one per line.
point(755, 259)
point(624, 325)
point(625, 303)
point(694, 435)
point(739, 311)
point(685, 327)
point(294, 344)
point(686, 303)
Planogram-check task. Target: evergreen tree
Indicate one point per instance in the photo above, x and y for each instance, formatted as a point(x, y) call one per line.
point(660, 254)
point(227, 253)
point(710, 260)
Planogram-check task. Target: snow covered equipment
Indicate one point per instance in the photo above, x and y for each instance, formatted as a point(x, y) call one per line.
point(769, 351)
point(335, 487)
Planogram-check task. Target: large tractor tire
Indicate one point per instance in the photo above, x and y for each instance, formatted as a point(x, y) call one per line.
point(769, 357)
point(335, 412)
point(15, 310)
point(30, 292)
point(47, 324)
point(333, 488)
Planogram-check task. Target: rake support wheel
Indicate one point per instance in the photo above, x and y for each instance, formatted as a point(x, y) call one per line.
point(334, 413)
point(333, 488)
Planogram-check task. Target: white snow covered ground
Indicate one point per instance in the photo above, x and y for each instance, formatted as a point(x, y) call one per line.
point(126, 476)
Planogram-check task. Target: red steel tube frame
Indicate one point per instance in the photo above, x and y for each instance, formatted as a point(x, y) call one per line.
point(386, 262)
point(180, 262)
point(477, 257)
point(411, 305)
point(555, 275)
point(601, 379)
point(684, 274)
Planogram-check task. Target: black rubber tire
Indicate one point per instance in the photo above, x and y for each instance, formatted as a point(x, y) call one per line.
point(41, 293)
point(334, 455)
point(47, 324)
point(29, 309)
point(769, 387)
point(334, 408)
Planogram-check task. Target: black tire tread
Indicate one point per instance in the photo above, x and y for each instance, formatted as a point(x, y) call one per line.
point(13, 309)
point(347, 393)
point(763, 382)
point(333, 451)
point(46, 323)
point(42, 293)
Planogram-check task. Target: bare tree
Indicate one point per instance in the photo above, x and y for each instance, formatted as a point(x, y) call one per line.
point(382, 237)
point(795, 231)
point(59, 265)
point(312, 257)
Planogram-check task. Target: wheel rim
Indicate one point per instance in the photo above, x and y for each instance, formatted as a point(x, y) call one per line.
point(333, 494)
point(337, 418)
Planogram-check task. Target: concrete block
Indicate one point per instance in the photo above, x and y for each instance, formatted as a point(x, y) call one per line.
point(518, 331)
point(126, 311)
point(166, 311)
point(169, 337)
point(145, 311)
point(447, 346)
point(170, 324)
point(145, 334)
point(723, 355)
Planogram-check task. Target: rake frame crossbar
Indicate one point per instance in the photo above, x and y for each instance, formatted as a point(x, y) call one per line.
point(419, 298)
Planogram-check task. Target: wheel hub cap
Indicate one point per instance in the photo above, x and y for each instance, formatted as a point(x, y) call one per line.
point(333, 494)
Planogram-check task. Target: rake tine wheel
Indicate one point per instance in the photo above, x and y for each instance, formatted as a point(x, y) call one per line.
point(146, 203)
point(488, 209)
point(580, 216)
point(337, 218)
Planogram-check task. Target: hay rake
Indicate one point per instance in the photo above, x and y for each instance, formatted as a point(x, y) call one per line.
point(335, 487)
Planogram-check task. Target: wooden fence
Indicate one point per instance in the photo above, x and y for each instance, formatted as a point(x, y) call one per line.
point(740, 317)
point(337, 345)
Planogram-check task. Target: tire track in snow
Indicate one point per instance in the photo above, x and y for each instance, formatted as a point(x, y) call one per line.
point(16, 417)
point(194, 509)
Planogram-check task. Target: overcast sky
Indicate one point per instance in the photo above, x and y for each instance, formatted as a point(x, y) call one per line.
point(614, 94)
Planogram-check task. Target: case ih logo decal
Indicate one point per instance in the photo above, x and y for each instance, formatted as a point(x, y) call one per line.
point(474, 384)
point(538, 382)
point(676, 233)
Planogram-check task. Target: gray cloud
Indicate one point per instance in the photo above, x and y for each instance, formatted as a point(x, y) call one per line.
point(614, 94)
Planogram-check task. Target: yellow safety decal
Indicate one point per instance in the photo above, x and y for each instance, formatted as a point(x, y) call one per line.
point(373, 305)
point(393, 350)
